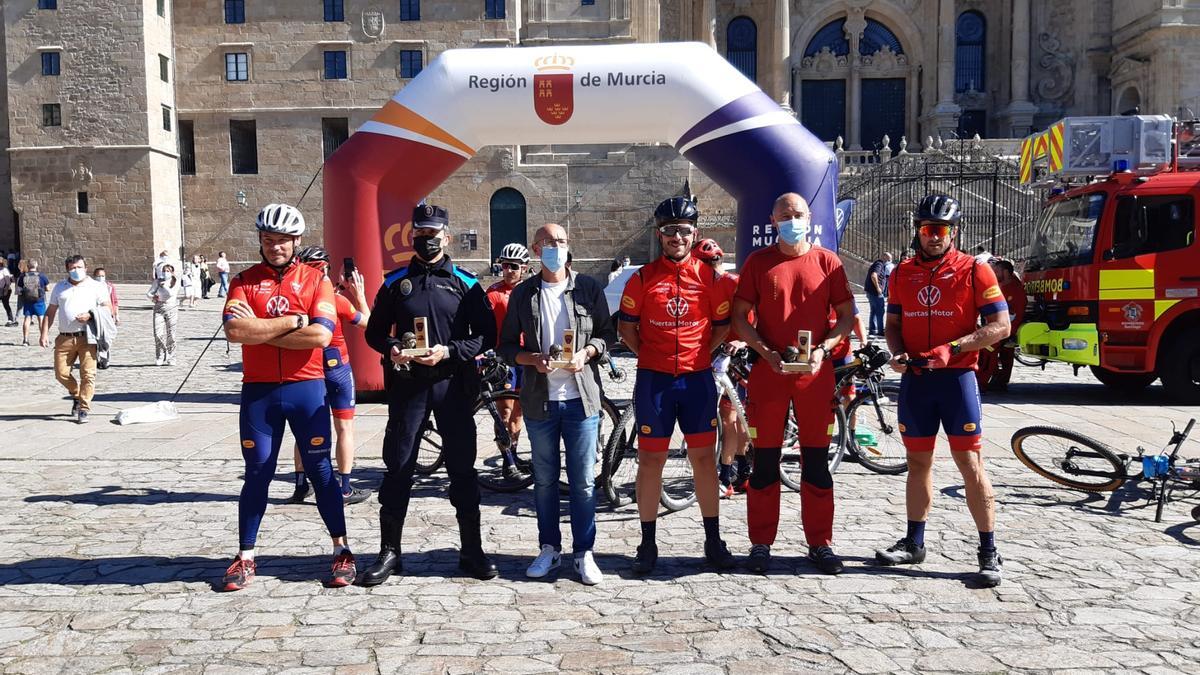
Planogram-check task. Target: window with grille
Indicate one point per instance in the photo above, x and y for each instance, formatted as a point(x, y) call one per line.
point(588, 2)
point(410, 63)
point(877, 36)
point(970, 37)
point(334, 132)
point(187, 148)
point(51, 115)
point(237, 67)
point(243, 146)
point(410, 10)
point(493, 9)
point(51, 61)
point(47, 4)
point(831, 35)
point(335, 10)
point(235, 11)
point(335, 65)
point(741, 46)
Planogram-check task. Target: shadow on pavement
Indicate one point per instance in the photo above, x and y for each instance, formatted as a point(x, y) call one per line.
point(111, 495)
point(1082, 393)
point(183, 397)
point(1180, 533)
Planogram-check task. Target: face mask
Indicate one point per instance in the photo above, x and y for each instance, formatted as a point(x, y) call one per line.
point(100, 278)
point(427, 248)
point(168, 276)
point(791, 231)
point(77, 274)
point(554, 259)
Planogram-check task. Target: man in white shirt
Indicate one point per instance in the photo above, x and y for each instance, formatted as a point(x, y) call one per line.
point(223, 273)
point(73, 302)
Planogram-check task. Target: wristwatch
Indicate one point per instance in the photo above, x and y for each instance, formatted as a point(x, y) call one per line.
point(955, 348)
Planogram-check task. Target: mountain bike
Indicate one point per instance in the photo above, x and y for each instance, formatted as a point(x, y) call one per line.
point(871, 420)
point(1077, 461)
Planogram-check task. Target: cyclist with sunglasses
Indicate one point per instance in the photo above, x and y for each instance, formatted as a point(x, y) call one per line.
point(514, 260)
point(792, 286)
point(674, 313)
point(935, 300)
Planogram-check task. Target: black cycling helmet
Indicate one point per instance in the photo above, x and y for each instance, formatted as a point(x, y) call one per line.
point(938, 208)
point(676, 209)
point(313, 254)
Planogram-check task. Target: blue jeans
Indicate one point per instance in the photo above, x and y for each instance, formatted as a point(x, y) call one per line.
point(224, 284)
point(878, 306)
point(565, 422)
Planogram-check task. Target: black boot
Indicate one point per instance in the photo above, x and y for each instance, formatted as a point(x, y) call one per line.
point(471, 558)
point(390, 529)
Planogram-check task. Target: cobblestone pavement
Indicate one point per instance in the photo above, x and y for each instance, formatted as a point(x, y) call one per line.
point(115, 537)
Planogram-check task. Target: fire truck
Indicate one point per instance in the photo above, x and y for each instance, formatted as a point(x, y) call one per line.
point(1113, 269)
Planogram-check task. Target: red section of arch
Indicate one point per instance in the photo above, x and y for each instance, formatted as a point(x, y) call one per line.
point(369, 198)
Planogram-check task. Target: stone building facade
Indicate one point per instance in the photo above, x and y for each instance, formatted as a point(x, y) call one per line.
point(177, 119)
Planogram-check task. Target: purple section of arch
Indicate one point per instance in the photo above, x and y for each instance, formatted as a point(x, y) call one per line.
point(757, 165)
point(748, 106)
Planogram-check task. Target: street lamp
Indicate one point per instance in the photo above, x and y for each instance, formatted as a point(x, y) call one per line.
point(241, 198)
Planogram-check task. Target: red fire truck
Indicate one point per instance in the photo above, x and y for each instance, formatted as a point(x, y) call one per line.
point(1113, 271)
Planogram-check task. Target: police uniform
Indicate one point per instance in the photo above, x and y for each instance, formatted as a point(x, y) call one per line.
point(459, 317)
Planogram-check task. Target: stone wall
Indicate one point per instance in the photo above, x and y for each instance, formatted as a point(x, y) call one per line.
point(8, 225)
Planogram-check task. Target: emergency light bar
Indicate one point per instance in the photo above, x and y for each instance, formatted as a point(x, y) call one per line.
point(1091, 146)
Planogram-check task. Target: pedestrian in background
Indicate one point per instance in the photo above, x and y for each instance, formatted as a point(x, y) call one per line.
point(876, 287)
point(614, 270)
point(191, 281)
point(165, 294)
point(31, 289)
point(222, 274)
point(6, 286)
point(100, 275)
point(14, 259)
point(74, 302)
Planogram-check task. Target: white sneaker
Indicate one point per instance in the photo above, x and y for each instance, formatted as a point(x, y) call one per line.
point(585, 567)
point(546, 562)
point(158, 362)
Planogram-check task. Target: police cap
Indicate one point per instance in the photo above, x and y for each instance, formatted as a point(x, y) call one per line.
point(433, 217)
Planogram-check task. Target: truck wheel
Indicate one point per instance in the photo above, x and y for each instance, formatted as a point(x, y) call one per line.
point(1179, 367)
point(1126, 382)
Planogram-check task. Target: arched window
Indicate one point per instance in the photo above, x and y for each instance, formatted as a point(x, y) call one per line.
point(832, 35)
point(741, 46)
point(970, 36)
point(877, 35)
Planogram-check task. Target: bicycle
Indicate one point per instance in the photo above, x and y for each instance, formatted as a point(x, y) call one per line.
point(880, 448)
point(1076, 461)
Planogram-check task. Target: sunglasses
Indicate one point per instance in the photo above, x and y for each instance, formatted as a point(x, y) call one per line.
point(934, 230)
point(676, 230)
point(510, 266)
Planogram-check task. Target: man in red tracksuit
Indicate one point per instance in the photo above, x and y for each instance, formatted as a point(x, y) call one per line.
point(792, 286)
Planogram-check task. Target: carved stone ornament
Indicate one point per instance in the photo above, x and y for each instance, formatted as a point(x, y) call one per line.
point(1059, 82)
point(507, 162)
point(824, 61)
point(884, 60)
point(81, 175)
point(1126, 69)
point(373, 23)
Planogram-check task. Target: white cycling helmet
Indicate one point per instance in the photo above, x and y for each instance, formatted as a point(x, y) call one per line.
point(515, 252)
point(281, 219)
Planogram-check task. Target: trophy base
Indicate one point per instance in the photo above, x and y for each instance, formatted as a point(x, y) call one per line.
point(559, 364)
point(797, 368)
point(414, 352)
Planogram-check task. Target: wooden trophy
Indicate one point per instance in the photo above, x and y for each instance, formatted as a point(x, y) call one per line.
point(420, 338)
point(795, 360)
point(562, 359)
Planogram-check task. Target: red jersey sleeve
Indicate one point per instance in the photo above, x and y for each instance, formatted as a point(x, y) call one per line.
point(236, 296)
point(345, 309)
point(747, 288)
point(631, 299)
point(894, 306)
point(989, 299)
point(839, 285)
point(324, 308)
point(1016, 302)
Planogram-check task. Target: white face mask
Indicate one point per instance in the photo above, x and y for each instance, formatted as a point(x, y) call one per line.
point(100, 278)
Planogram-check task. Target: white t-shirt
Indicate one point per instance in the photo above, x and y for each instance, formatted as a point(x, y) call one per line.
point(75, 299)
point(554, 321)
point(222, 265)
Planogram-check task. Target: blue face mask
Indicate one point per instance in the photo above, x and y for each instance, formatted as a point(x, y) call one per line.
point(554, 259)
point(77, 274)
point(792, 231)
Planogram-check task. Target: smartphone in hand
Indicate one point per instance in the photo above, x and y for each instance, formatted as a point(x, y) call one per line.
point(348, 267)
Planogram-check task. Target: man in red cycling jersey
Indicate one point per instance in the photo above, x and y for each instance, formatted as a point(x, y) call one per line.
point(935, 300)
point(339, 378)
point(282, 312)
point(673, 314)
point(514, 260)
point(995, 367)
point(792, 286)
point(735, 439)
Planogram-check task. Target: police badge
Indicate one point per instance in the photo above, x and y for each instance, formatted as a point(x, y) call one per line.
point(405, 287)
point(372, 23)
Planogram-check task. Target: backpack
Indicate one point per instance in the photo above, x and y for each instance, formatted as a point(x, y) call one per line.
point(31, 288)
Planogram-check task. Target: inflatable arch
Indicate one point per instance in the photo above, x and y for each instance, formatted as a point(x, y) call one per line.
point(684, 94)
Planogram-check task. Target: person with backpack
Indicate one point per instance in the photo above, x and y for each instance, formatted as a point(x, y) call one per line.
point(31, 289)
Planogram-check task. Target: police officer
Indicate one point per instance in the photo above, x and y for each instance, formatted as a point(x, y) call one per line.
point(460, 325)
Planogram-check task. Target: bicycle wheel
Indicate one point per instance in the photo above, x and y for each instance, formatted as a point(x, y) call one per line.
point(1068, 458)
point(429, 451)
point(1026, 360)
point(498, 466)
point(876, 418)
point(789, 454)
point(619, 463)
point(839, 442)
point(609, 416)
point(678, 485)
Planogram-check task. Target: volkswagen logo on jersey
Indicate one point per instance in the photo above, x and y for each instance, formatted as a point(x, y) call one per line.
point(929, 296)
point(677, 307)
point(278, 306)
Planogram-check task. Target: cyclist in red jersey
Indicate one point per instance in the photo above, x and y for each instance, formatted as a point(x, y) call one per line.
point(792, 286)
point(935, 300)
point(283, 314)
point(514, 260)
point(735, 439)
point(673, 315)
point(339, 378)
point(996, 369)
